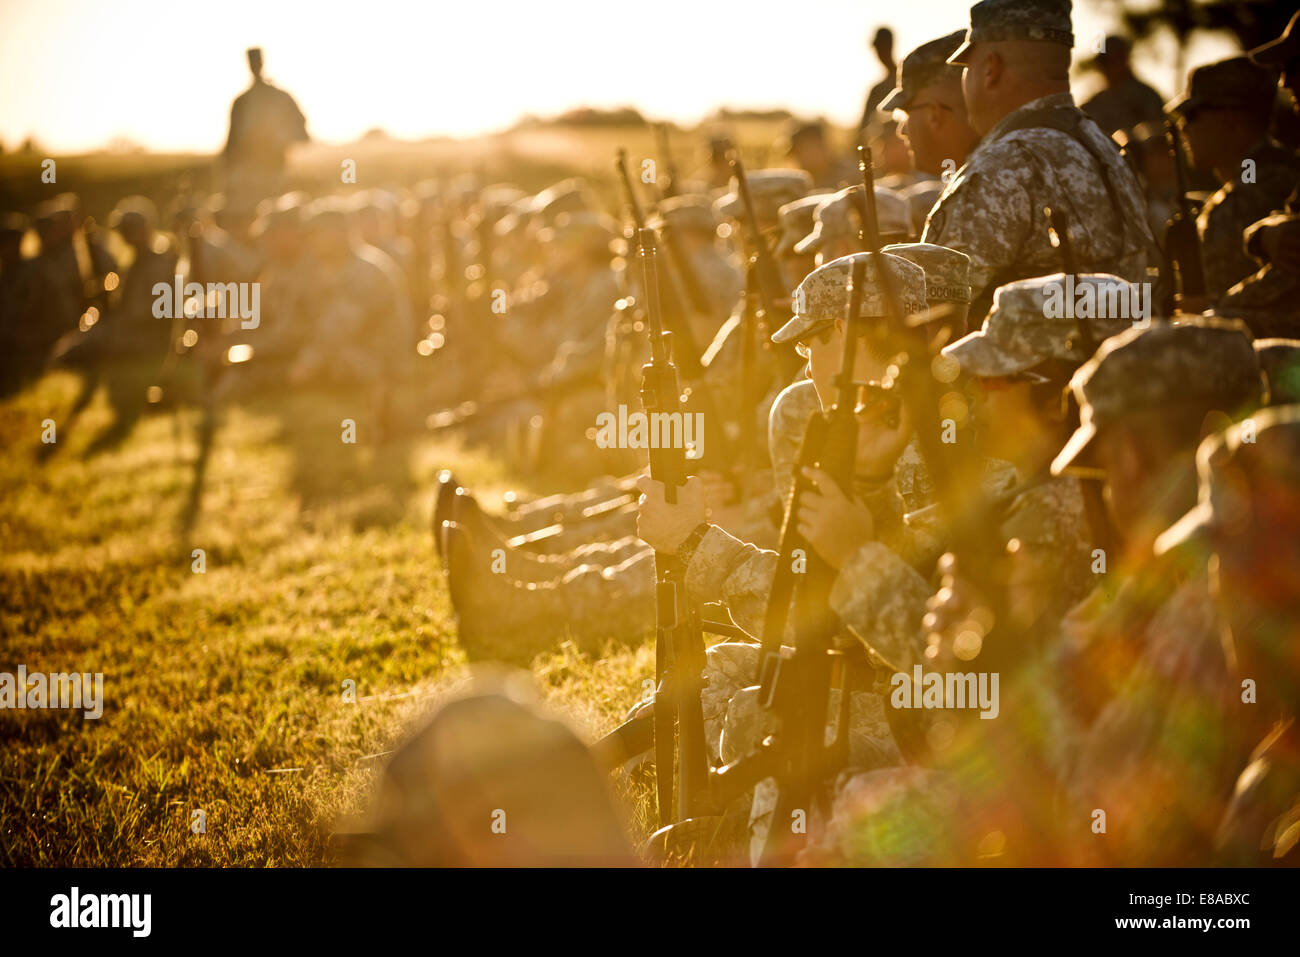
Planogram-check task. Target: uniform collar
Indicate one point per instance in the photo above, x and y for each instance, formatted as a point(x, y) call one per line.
point(1054, 101)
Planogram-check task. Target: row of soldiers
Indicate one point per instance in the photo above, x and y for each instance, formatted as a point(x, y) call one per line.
point(1117, 551)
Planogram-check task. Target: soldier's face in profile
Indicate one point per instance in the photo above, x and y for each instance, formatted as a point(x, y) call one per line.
point(1197, 129)
point(973, 88)
point(917, 131)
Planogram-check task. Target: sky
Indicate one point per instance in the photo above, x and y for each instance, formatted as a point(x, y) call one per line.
point(78, 74)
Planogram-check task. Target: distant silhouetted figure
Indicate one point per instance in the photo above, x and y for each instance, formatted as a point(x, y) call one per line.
point(1126, 101)
point(871, 124)
point(264, 121)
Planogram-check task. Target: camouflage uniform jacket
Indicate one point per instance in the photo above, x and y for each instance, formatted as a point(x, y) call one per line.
point(992, 208)
point(723, 568)
point(786, 425)
point(882, 598)
point(1159, 757)
point(1237, 205)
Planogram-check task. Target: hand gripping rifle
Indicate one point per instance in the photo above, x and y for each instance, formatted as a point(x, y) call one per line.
point(797, 689)
point(679, 643)
point(1182, 242)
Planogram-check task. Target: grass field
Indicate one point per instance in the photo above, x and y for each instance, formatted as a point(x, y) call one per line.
point(223, 690)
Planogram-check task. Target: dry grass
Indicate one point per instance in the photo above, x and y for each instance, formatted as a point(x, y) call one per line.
point(319, 569)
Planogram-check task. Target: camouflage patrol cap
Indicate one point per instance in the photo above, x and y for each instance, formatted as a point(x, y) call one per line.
point(1231, 84)
point(13, 224)
point(1206, 361)
point(52, 209)
point(327, 212)
point(947, 271)
point(992, 21)
point(139, 209)
point(686, 214)
point(1021, 331)
point(566, 196)
point(1231, 465)
point(516, 217)
point(581, 230)
point(926, 65)
point(771, 189)
point(494, 748)
point(833, 220)
point(796, 219)
point(823, 295)
point(1282, 51)
point(1280, 361)
point(277, 211)
point(500, 196)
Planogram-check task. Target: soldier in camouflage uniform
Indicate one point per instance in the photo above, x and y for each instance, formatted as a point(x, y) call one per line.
point(1138, 671)
point(124, 350)
point(1246, 516)
point(264, 122)
point(692, 222)
point(837, 223)
point(1017, 360)
point(808, 149)
point(937, 130)
point(359, 307)
point(1049, 563)
point(1225, 115)
point(1037, 150)
point(1269, 299)
point(591, 596)
point(1125, 102)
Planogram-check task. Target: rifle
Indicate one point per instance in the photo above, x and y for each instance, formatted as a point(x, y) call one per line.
point(679, 642)
point(771, 287)
point(1058, 232)
point(677, 318)
point(661, 134)
point(680, 325)
point(763, 281)
point(1182, 242)
point(798, 689)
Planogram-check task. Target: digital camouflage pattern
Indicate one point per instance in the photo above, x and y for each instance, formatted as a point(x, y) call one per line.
point(992, 21)
point(770, 188)
point(823, 295)
point(1021, 332)
point(992, 207)
point(1161, 366)
point(837, 218)
point(1238, 204)
point(947, 271)
point(925, 66)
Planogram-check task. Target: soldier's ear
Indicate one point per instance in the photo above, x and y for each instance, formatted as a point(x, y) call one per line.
point(993, 68)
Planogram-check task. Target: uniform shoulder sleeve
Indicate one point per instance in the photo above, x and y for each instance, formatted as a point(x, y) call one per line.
point(986, 212)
